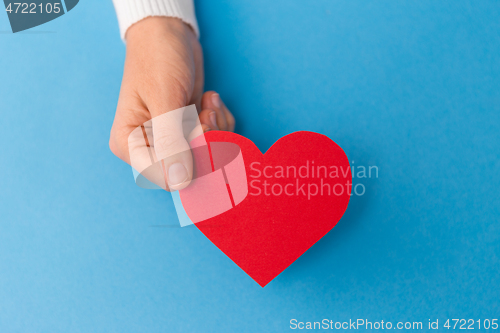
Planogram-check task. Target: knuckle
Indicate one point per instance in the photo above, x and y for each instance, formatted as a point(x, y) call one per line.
point(231, 121)
point(114, 148)
point(169, 144)
point(118, 146)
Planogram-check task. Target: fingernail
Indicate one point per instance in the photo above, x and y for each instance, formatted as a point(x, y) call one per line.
point(216, 100)
point(213, 120)
point(177, 174)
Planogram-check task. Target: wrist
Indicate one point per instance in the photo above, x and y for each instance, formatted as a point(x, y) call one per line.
point(157, 27)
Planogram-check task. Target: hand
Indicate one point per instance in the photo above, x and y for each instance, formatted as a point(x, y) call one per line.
point(164, 72)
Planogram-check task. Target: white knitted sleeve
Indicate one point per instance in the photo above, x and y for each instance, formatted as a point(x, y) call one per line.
point(132, 11)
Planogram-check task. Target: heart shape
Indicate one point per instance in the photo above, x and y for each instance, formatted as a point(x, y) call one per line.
point(308, 189)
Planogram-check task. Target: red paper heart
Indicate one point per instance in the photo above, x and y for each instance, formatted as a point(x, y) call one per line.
point(264, 234)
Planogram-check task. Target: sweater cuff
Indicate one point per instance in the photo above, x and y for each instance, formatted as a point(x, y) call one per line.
point(132, 11)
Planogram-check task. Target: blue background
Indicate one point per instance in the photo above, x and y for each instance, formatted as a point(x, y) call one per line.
point(410, 86)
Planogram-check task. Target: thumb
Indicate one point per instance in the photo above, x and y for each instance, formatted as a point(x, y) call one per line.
point(170, 131)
